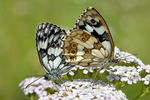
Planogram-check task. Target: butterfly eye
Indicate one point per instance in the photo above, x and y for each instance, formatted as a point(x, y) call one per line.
point(46, 76)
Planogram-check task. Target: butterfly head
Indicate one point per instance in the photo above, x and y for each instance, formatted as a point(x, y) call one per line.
point(53, 76)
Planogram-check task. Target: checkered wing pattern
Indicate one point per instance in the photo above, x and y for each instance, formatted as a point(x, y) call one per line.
point(48, 41)
point(90, 42)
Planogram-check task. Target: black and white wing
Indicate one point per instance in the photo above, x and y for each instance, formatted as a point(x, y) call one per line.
point(48, 41)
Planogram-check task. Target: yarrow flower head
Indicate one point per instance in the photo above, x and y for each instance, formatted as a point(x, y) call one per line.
point(38, 87)
point(83, 89)
point(127, 57)
point(123, 73)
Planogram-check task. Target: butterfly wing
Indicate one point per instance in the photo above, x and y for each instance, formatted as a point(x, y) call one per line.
point(93, 40)
point(91, 21)
point(83, 49)
point(48, 41)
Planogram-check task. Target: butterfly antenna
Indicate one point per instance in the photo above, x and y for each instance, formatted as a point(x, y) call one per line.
point(34, 75)
point(33, 82)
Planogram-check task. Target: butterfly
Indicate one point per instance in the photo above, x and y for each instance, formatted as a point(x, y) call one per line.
point(89, 43)
point(48, 42)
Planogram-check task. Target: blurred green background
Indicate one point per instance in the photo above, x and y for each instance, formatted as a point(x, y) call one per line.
point(128, 21)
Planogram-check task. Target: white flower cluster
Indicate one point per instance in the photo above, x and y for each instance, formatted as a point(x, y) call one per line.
point(37, 86)
point(77, 90)
point(127, 57)
point(124, 73)
point(127, 74)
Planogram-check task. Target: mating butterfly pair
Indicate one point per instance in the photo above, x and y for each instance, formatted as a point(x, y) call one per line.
point(89, 43)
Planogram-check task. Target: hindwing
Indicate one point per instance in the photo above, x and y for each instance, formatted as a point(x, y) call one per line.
point(83, 49)
point(48, 41)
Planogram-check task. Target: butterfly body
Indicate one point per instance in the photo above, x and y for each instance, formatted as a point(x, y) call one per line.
point(54, 75)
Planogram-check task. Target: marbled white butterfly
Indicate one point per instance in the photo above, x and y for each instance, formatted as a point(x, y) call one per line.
point(48, 41)
point(90, 42)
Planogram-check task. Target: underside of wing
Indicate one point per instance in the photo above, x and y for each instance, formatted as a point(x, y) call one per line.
point(83, 49)
point(48, 41)
point(92, 22)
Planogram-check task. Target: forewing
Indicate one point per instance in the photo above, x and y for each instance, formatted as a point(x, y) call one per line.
point(48, 41)
point(91, 21)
